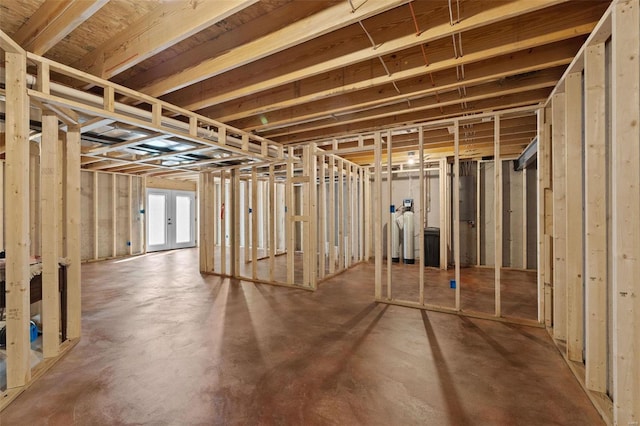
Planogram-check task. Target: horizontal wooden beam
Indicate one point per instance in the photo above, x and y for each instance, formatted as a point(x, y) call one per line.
point(323, 22)
point(53, 21)
point(163, 27)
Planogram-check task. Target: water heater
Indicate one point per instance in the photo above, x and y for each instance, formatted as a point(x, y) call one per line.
point(407, 236)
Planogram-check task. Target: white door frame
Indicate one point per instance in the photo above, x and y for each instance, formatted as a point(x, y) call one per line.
point(170, 219)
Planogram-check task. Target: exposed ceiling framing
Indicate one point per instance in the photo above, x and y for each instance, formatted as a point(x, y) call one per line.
point(306, 71)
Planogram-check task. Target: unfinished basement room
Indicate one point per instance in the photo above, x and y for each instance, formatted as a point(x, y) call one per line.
point(310, 212)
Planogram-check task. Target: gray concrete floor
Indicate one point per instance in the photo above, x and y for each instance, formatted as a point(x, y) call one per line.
point(163, 345)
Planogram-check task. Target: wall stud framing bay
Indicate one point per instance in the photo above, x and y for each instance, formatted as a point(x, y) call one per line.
point(626, 211)
point(456, 211)
point(235, 231)
point(421, 213)
point(247, 224)
point(574, 206)
point(497, 211)
point(332, 214)
point(341, 215)
point(348, 249)
point(444, 229)
point(312, 217)
point(255, 211)
point(223, 223)
point(322, 218)
point(272, 222)
point(559, 218)
point(390, 214)
point(290, 229)
point(379, 211)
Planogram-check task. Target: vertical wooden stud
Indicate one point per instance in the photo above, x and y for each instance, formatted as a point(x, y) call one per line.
point(322, 217)
point(497, 216)
point(421, 214)
point(456, 210)
point(626, 211)
point(574, 206)
point(272, 222)
point(17, 223)
point(223, 223)
point(96, 227)
point(379, 211)
point(559, 219)
point(73, 221)
point(290, 225)
point(255, 211)
point(390, 214)
point(596, 251)
point(235, 223)
point(332, 214)
point(312, 217)
point(442, 180)
point(49, 157)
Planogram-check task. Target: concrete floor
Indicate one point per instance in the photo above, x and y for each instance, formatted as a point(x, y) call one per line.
point(164, 346)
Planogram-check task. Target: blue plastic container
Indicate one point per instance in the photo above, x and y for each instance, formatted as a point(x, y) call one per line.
point(452, 283)
point(33, 331)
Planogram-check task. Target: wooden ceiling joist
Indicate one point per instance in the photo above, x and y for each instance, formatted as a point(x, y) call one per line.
point(165, 26)
point(53, 21)
point(205, 94)
point(325, 21)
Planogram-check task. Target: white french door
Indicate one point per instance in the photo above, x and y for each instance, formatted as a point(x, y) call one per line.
point(171, 220)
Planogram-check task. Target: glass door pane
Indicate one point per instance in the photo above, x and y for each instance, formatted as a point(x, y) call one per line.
point(184, 220)
point(157, 221)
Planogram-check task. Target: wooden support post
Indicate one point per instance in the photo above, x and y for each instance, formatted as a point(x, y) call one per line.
point(391, 215)
point(362, 214)
point(574, 206)
point(540, 246)
point(559, 219)
point(349, 225)
point(290, 225)
point(368, 206)
point(144, 209)
point(595, 215)
point(312, 216)
point(114, 216)
point(130, 215)
point(456, 210)
point(247, 222)
point(254, 222)
point(235, 224)
point(212, 218)
point(625, 201)
point(497, 216)
point(96, 208)
point(304, 193)
point(421, 214)
point(73, 221)
point(203, 244)
point(442, 180)
point(223, 223)
point(322, 217)
point(379, 210)
point(332, 214)
point(49, 213)
point(544, 159)
point(272, 222)
point(478, 225)
point(524, 218)
point(341, 216)
point(16, 222)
